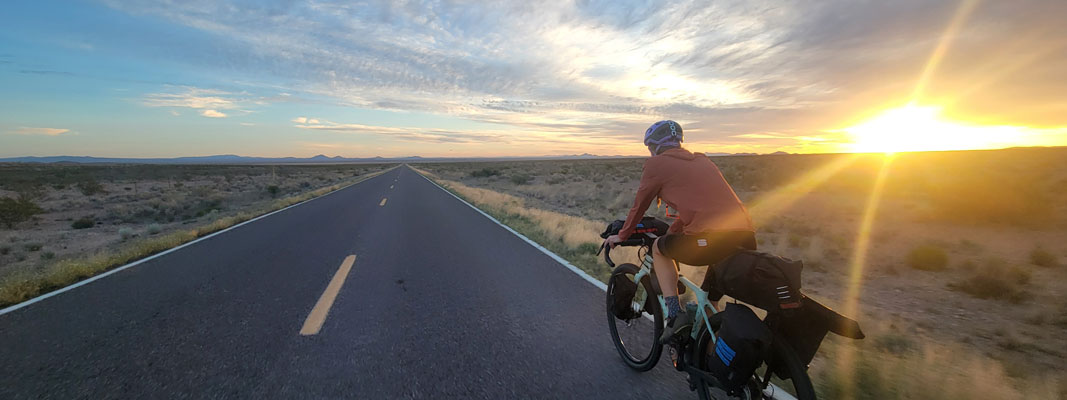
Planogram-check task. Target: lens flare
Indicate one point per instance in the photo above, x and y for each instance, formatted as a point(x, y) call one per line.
point(922, 128)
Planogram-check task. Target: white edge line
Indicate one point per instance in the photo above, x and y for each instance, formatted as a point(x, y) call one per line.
point(565, 263)
point(558, 259)
point(173, 249)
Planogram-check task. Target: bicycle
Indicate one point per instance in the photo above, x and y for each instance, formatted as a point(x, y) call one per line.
point(636, 335)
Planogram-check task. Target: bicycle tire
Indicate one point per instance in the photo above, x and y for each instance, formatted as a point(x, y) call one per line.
point(646, 350)
point(783, 356)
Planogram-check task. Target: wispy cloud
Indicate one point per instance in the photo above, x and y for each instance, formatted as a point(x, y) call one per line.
point(403, 133)
point(192, 97)
point(601, 67)
point(40, 131)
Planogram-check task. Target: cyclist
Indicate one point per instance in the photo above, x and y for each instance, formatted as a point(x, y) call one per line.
point(711, 222)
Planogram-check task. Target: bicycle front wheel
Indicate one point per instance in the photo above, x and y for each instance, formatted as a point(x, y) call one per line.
point(636, 336)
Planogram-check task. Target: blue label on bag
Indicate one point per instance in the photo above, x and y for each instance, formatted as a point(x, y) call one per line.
point(725, 353)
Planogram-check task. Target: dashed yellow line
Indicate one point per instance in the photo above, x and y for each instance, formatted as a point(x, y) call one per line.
point(314, 321)
point(382, 204)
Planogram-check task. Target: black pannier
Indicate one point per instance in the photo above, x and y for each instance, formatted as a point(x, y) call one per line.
point(764, 280)
point(622, 294)
point(742, 342)
point(647, 225)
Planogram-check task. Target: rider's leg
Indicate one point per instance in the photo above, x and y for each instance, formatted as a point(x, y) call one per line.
point(666, 271)
point(667, 277)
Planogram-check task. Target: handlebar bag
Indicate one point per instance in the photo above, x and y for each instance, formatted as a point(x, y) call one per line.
point(742, 341)
point(764, 280)
point(647, 225)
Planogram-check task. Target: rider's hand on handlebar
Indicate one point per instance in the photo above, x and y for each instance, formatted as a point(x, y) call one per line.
point(612, 241)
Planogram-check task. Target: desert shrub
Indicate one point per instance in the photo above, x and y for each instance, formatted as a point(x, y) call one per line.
point(20, 257)
point(1043, 258)
point(521, 179)
point(4, 250)
point(154, 229)
point(928, 257)
point(996, 280)
point(32, 246)
point(484, 173)
point(14, 211)
point(125, 233)
point(273, 190)
point(48, 255)
point(90, 187)
point(83, 223)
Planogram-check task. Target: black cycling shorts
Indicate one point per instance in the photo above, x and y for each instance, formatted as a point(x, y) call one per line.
point(706, 249)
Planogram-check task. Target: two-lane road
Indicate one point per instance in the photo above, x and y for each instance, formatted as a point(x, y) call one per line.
point(439, 302)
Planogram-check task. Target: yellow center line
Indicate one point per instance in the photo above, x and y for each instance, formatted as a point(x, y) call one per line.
point(383, 202)
point(314, 321)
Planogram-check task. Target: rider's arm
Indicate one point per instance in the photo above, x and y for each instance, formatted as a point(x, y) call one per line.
point(646, 192)
point(676, 227)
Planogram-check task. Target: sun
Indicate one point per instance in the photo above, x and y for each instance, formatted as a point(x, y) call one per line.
point(922, 128)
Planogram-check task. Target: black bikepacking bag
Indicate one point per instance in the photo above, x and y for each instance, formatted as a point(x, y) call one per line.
point(805, 328)
point(742, 341)
point(647, 225)
point(622, 296)
point(760, 279)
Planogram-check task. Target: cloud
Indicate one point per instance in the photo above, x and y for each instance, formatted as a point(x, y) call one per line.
point(41, 131)
point(212, 114)
point(403, 133)
point(192, 97)
point(606, 68)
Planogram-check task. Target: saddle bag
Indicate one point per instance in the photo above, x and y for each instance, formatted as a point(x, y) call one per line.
point(760, 279)
point(742, 343)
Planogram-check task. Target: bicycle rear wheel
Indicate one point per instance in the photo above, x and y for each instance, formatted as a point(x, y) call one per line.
point(636, 336)
point(797, 385)
point(791, 374)
point(705, 390)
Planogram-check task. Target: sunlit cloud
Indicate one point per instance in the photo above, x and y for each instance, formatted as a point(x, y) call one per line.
point(192, 97)
point(40, 131)
point(212, 114)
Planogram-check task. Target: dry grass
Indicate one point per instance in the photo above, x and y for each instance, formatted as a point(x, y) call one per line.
point(26, 285)
point(993, 205)
point(921, 370)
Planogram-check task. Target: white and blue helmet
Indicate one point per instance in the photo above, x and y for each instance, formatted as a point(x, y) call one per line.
point(663, 134)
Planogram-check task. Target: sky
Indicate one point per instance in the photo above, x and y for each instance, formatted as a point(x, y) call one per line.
point(437, 78)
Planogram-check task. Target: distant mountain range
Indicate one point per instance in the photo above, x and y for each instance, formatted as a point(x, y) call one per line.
point(319, 159)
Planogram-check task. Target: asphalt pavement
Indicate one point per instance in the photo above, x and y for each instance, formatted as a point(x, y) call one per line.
point(440, 302)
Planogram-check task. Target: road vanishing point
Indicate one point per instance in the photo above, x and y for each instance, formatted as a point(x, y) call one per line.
point(389, 288)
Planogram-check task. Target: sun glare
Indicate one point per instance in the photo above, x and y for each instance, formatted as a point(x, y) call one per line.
point(922, 128)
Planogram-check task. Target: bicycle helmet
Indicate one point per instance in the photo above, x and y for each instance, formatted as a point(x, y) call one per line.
point(663, 134)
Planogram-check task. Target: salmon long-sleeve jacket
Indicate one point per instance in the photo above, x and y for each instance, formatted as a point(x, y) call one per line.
point(693, 186)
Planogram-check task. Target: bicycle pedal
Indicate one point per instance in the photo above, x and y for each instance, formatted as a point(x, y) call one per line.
point(676, 356)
